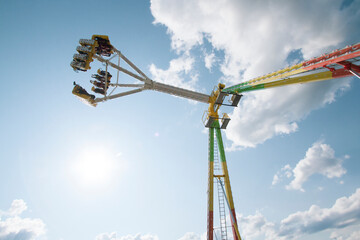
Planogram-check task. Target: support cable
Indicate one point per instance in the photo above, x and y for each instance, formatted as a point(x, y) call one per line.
point(228, 204)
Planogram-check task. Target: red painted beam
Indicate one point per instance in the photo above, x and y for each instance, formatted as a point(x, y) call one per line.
point(332, 61)
point(337, 53)
point(233, 225)
point(350, 66)
point(210, 228)
point(340, 73)
point(355, 68)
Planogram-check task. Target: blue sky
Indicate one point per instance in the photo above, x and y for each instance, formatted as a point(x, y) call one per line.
point(136, 167)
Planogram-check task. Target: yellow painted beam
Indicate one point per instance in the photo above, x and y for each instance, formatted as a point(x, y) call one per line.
point(303, 79)
point(286, 72)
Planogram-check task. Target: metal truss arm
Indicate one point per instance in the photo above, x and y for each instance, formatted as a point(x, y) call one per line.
point(120, 68)
point(180, 92)
point(150, 84)
point(122, 94)
point(287, 81)
point(316, 69)
point(130, 63)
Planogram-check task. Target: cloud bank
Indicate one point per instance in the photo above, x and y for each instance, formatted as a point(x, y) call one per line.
point(268, 113)
point(178, 70)
point(113, 236)
point(319, 159)
point(344, 213)
point(14, 227)
point(256, 37)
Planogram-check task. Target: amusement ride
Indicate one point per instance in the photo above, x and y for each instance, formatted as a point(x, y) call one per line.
point(338, 64)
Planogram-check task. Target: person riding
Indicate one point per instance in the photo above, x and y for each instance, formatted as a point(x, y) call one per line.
point(99, 84)
point(81, 92)
point(100, 78)
point(98, 90)
point(103, 73)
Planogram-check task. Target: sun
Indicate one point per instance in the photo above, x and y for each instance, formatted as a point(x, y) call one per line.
point(94, 167)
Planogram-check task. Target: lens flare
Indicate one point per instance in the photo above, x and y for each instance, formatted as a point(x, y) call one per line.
point(94, 167)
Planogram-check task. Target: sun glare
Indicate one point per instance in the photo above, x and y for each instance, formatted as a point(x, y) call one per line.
point(94, 167)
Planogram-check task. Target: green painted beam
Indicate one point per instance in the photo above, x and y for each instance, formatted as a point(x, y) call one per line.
point(240, 88)
point(220, 142)
point(211, 144)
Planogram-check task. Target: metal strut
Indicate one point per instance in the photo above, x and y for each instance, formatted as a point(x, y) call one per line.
point(321, 68)
point(222, 213)
point(226, 177)
point(215, 131)
point(221, 194)
point(148, 83)
point(227, 202)
point(355, 73)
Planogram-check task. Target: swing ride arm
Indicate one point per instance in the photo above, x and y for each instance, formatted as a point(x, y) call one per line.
point(337, 64)
point(149, 84)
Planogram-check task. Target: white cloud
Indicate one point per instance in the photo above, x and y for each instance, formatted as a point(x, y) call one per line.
point(319, 159)
point(354, 236)
point(346, 233)
point(190, 236)
point(284, 172)
point(209, 59)
point(15, 227)
point(178, 74)
point(275, 180)
point(256, 37)
point(268, 113)
point(252, 33)
point(345, 212)
point(254, 226)
point(343, 215)
point(106, 236)
point(113, 236)
point(17, 207)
